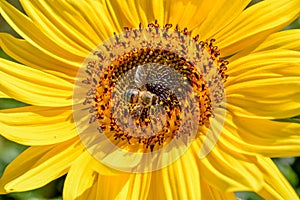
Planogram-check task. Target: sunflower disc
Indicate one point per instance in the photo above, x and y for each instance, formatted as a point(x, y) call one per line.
point(142, 97)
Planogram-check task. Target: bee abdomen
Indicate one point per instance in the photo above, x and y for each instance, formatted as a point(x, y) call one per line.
point(159, 90)
point(131, 95)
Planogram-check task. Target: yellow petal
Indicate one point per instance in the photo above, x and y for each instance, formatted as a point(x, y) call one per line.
point(289, 39)
point(91, 192)
point(180, 180)
point(275, 184)
point(80, 178)
point(56, 26)
point(125, 186)
point(219, 16)
point(34, 86)
point(98, 17)
point(268, 138)
point(24, 26)
point(3, 95)
point(132, 13)
point(87, 176)
point(80, 23)
point(256, 23)
point(32, 125)
point(265, 84)
point(125, 13)
point(229, 171)
point(277, 61)
point(208, 192)
point(158, 9)
point(118, 187)
point(188, 15)
point(281, 100)
point(37, 166)
point(31, 56)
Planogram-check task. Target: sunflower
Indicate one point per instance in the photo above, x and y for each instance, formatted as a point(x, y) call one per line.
point(77, 59)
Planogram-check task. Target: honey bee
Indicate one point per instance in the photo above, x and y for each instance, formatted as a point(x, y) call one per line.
point(138, 98)
point(139, 104)
point(142, 98)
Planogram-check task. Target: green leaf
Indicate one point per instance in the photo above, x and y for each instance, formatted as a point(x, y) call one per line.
point(5, 56)
point(247, 196)
point(293, 120)
point(284, 165)
point(10, 103)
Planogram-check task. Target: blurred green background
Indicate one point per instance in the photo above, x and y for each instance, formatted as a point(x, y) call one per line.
point(290, 167)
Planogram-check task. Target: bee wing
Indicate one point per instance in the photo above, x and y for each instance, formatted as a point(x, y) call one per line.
point(140, 76)
point(131, 123)
point(146, 74)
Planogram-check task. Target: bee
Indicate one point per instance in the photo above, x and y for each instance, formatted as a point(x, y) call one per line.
point(139, 103)
point(139, 99)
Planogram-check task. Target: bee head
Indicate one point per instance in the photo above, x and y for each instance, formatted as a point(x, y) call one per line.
point(146, 98)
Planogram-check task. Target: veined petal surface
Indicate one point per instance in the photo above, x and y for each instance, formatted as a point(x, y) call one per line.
point(288, 39)
point(180, 180)
point(220, 15)
point(24, 26)
point(255, 24)
point(33, 125)
point(39, 165)
point(85, 179)
point(33, 86)
point(263, 82)
point(269, 138)
point(275, 185)
point(25, 53)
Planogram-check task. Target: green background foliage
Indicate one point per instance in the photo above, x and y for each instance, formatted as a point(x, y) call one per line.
point(290, 167)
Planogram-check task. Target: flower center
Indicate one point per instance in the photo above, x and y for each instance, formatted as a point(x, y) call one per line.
point(149, 87)
point(148, 91)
